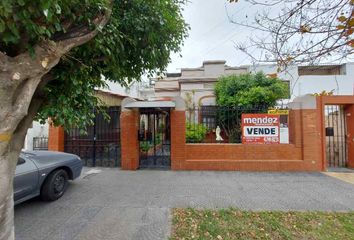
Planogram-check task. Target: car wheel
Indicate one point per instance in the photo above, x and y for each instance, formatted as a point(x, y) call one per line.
point(55, 185)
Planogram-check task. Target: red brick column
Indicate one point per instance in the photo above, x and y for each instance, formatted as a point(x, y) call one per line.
point(295, 127)
point(56, 139)
point(178, 139)
point(129, 123)
point(350, 134)
point(311, 140)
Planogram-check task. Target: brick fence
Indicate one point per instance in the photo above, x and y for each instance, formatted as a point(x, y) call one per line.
point(305, 152)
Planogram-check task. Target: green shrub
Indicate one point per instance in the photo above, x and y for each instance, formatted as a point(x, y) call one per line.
point(145, 146)
point(195, 133)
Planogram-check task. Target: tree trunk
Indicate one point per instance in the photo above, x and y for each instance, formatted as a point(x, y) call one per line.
point(21, 79)
point(9, 153)
point(7, 169)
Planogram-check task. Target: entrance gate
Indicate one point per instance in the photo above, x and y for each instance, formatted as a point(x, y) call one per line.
point(100, 146)
point(336, 129)
point(154, 138)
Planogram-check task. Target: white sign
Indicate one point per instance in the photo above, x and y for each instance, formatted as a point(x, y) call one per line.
point(261, 131)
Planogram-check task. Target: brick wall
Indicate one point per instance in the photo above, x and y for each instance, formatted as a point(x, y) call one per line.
point(303, 154)
point(56, 139)
point(129, 123)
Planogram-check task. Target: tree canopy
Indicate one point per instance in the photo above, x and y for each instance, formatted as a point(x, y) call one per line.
point(55, 53)
point(137, 40)
point(247, 90)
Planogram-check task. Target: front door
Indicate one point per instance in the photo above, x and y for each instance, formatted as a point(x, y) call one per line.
point(154, 138)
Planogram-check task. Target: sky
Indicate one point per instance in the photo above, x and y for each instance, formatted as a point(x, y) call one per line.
point(212, 36)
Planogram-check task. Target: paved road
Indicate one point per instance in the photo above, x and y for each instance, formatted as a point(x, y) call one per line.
point(116, 204)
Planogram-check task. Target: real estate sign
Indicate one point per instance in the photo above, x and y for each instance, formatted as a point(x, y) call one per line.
point(260, 129)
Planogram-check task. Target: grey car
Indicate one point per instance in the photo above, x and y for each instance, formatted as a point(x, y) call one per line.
point(45, 174)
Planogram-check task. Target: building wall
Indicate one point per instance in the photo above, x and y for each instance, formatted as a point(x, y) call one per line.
point(108, 99)
point(132, 90)
point(37, 130)
point(314, 82)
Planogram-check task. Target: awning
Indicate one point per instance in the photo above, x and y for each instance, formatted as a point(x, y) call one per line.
point(151, 104)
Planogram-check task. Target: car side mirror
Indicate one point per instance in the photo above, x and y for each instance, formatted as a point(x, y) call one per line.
point(20, 161)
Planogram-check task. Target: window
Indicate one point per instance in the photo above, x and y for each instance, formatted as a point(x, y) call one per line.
point(208, 116)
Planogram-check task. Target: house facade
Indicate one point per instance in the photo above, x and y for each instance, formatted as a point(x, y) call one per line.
point(196, 85)
point(157, 133)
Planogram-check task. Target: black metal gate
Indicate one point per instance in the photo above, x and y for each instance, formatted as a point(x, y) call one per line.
point(154, 138)
point(336, 129)
point(100, 146)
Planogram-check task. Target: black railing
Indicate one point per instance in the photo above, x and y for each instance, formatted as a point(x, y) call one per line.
point(40, 143)
point(100, 145)
point(202, 123)
point(336, 140)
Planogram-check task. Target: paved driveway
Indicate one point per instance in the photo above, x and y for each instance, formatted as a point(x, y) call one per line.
point(116, 204)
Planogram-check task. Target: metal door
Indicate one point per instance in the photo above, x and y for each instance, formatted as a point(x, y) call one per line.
point(336, 129)
point(100, 145)
point(154, 138)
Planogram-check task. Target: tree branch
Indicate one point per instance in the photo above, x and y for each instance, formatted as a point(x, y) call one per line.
point(83, 33)
point(19, 134)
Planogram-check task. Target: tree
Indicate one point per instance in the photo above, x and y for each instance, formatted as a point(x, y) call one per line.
point(247, 90)
point(51, 61)
point(298, 31)
point(245, 93)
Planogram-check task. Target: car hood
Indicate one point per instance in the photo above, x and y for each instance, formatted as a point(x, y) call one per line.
point(48, 157)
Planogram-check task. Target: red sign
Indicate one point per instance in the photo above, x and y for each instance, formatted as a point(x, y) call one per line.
point(260, 129)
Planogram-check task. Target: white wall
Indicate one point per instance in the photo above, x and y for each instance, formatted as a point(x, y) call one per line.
point(341, 84)
point(131, 91)
point(37, 130)
point(309, 84)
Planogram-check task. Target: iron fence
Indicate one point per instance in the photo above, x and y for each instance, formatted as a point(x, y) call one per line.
point(336, 140)
point(100, 145)
point(40, 143)
point(202, 123)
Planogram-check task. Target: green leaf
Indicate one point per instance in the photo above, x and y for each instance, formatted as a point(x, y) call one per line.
point(13, 28)
point(2, 25)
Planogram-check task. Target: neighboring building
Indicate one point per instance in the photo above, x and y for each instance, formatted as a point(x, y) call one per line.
point(37, 137)
point(196, 85)
point(315, 79)
point(132, 90)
